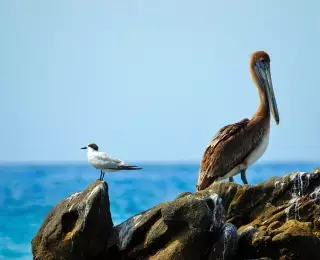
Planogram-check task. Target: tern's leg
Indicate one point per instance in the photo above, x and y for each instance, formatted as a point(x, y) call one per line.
point(100, 178)
point(231, 179)
point(243, 177)
point(103, 174)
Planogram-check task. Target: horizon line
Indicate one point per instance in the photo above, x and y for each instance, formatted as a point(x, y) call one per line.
point(69, 162)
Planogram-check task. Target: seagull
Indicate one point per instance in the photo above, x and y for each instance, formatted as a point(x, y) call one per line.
point(104, 162)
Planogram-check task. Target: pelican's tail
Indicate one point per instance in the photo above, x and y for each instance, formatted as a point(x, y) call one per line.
point(129, 167)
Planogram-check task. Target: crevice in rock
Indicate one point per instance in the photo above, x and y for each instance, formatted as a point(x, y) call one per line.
point(210, 203)
point(68, 221)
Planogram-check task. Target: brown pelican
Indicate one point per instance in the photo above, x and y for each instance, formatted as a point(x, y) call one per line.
point(237, 146)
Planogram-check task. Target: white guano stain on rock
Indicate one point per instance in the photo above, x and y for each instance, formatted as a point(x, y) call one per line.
point(230, 239)
point(90, 195)
point(218, 214)
point(126, 230)
point(279, 184)
point(84, 206)
point(299, 186)
point(72, 196)
point(316, 193)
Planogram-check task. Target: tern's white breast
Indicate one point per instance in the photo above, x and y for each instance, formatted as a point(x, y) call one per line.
point(95, 161)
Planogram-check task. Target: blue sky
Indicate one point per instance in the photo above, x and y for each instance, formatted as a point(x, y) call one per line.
point(153, 80)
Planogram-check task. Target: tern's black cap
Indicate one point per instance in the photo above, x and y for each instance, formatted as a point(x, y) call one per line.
point(93, 146)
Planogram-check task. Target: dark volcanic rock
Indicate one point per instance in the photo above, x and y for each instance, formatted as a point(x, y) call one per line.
point(77, 228)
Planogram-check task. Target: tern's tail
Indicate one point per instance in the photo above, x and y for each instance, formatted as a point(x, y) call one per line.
point(129, 167)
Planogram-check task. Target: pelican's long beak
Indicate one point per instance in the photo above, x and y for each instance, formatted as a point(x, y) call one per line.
point(264, 74)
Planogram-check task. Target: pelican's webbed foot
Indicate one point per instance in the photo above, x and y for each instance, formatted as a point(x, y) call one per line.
point(231, 179)
point(243, 177)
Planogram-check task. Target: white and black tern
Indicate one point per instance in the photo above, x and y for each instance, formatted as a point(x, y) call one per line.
point(104, 162)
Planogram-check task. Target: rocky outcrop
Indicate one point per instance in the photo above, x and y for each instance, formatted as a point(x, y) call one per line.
point(77, 228)
point(190, 227)
point(279, 218)
point(275, 219)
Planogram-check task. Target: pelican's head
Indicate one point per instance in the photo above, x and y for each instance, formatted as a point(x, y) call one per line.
point(260, 67)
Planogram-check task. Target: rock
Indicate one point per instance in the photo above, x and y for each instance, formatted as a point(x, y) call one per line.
point(293, 236)
point(186, 228)
point(77, 228)
point(277, 218)
point(205, 212)
point(227, 245)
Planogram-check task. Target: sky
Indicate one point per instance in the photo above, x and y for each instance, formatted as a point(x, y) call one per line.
point(153, 80)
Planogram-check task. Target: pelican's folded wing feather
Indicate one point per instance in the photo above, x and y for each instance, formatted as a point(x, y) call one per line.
point(229, 147)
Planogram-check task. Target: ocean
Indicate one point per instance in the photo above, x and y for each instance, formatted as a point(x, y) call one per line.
point(29, 192)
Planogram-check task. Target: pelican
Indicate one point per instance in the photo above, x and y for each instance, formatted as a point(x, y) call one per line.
point(237, 146)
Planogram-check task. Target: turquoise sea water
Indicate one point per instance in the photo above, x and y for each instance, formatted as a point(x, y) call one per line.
point(28, 193)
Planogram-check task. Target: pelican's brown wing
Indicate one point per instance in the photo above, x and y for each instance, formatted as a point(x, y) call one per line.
point(230, 146)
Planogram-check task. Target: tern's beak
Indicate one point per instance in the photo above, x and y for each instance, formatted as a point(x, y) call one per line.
point(84, 147)
point(263, 72)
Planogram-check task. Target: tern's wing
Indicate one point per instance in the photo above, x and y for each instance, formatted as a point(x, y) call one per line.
point(102, 161)
point(107, 161)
